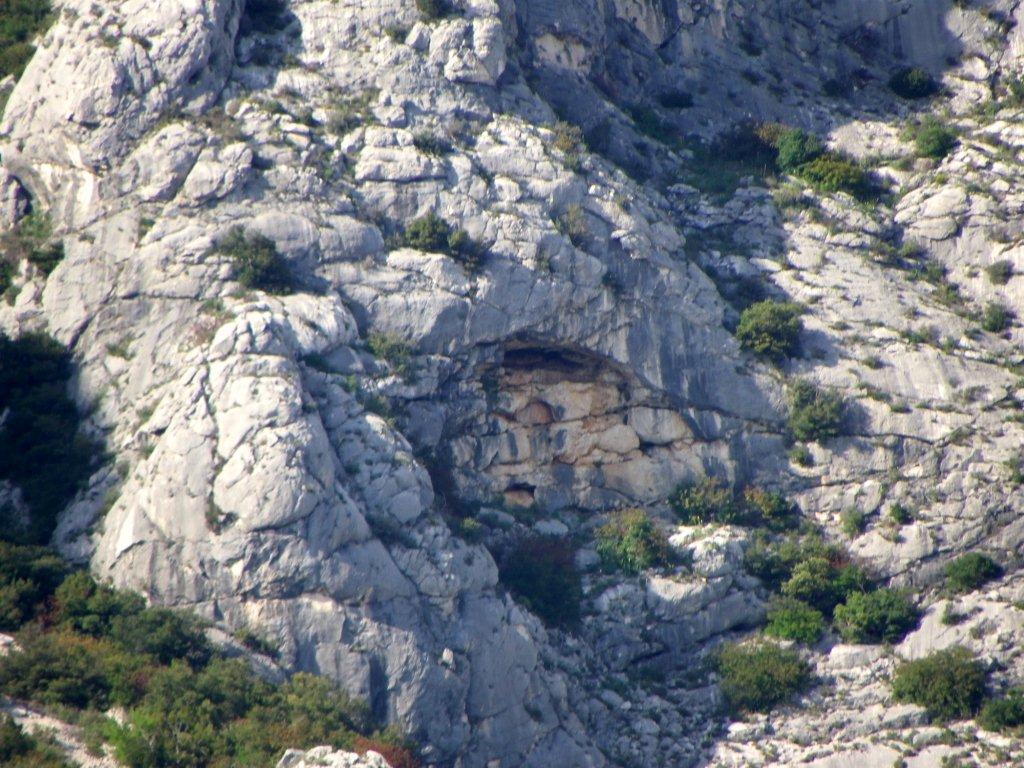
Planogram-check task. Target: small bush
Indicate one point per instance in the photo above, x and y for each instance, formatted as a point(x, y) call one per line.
point(19, 750)
point(541, 572)
point(263, 16)
point(882, 616)
point(814, 414)
point(900, 515)
point(831, 172)
point(757, 677)
point(433, 10)
point(675, 100)
point(771, 328)
point(33, 240)
point(573, 224)
point(970, 571)
point(791, 619)
point(996, 317)
point(821, 584)
point(1005, 713)
point(913, 83)
point(949, 683)
point(769, 507)
point(258, 265)
point(433, 234)
point(933, 139)
point(28, 576)
point(852, 522)
point(796, 148)
point(21, 21)
point(569, 141)
point(40, 449)
point(630, 542)
point(1000, 272)
point(707, 501)
point(395, 351)
point(430, 144)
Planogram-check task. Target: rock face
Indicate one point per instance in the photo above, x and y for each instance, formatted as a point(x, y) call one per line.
point(299, 462)
point(325, 756)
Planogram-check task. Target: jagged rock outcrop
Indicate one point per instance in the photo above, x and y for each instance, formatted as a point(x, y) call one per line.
point(276, 466)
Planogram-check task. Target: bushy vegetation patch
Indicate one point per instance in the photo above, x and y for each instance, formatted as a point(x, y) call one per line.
point(541, 572)
point(19, 750)
point(790, 619)
point(913, 83)
point(1005, 713)
point(932, 139)
point(823, 583)
point(31, 240)
point(759, 676)
point(710, 500)
point(433, 10)
point(882, 616)
point(41, 450)
point(971, 571)
point(258, 265)
point(832, 172)
point(630, 542)
point(949, 683)
point(91, 647)
point(433, 234)
point(263, 16)
point(27, 576)
point(771, 329)
point(1000, 272)
point(21, 21)
point(796, 148)
point(996, 317)
point(814, 414)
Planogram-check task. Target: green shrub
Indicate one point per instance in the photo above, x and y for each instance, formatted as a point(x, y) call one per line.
point(433, 10)
point(19, 750)
point(263, 16)
point(791, 619)
point(771, 328)
point(913, 83)
point(675, 100)
point(814, 414)
point(852, 522)
point(819, 583)
point(970, 571)
point(758, 676)
point(1000, 272)
point(32, 239)
point(541, 572)
point(395, 351)
point(21, 21)
point(59, 668)
point(258, 265)
point(770, 508)
point(1005, 713)
point(573, 224)
point(796, 148)
point(703, 502)
point(28, 576)
point(630, 542)
point(831, 172)
point(949, 683)
point(433, 234)
point(774, 561)
point(933, 139)
point(430, 144)
point(40, 449)
point(900, 515)
point(996, 317)
point(882, 616)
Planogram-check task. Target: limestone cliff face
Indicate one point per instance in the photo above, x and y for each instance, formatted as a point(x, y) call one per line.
point(587, 364)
